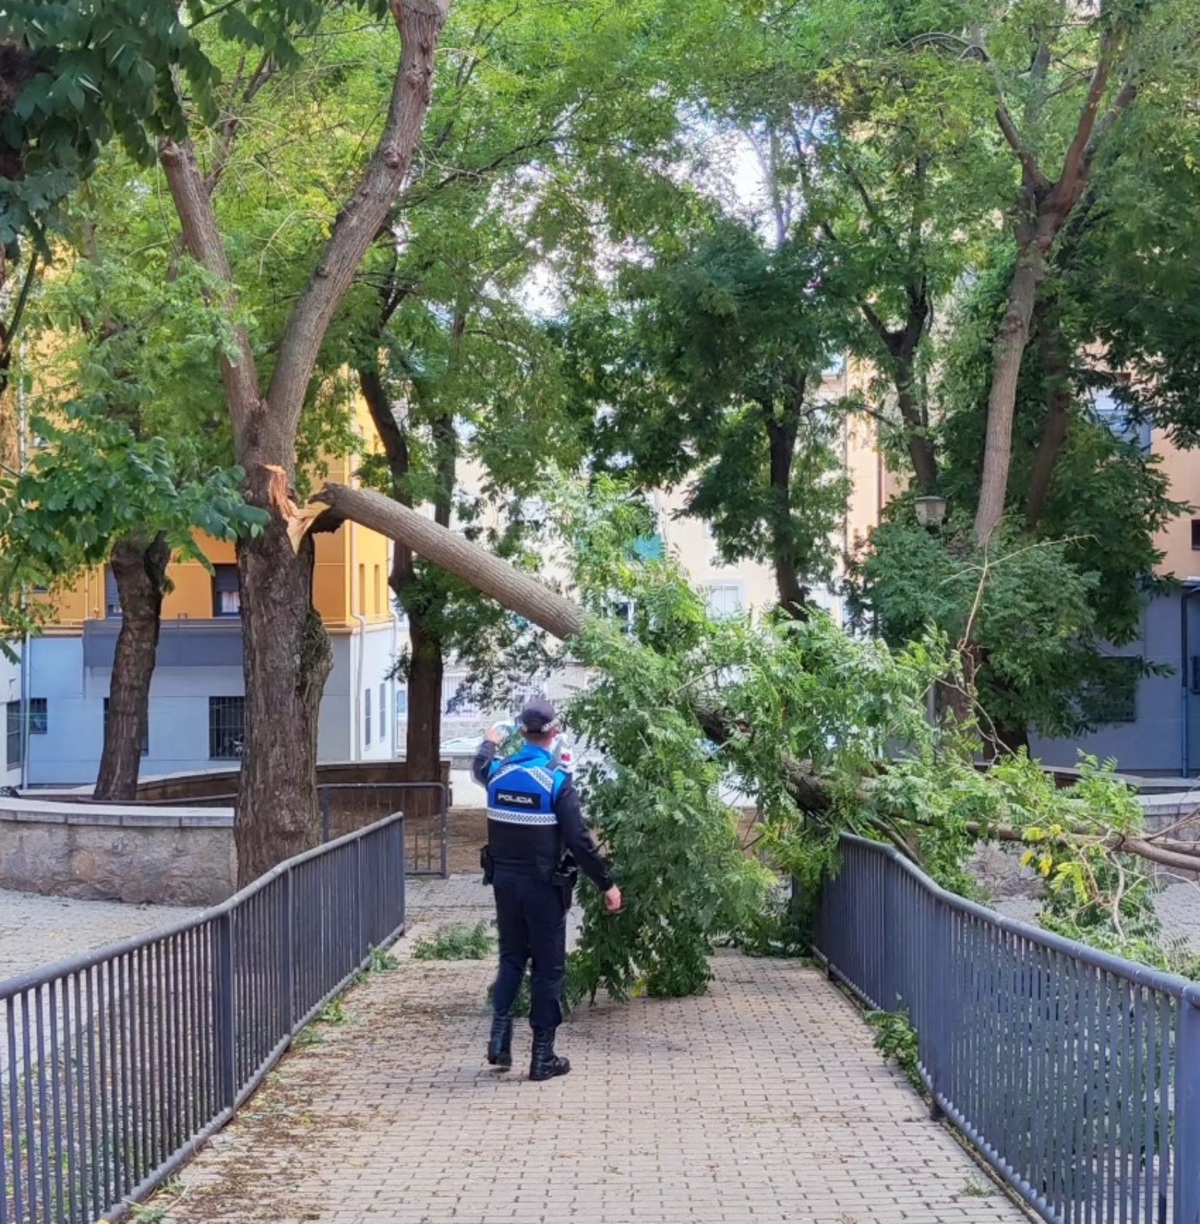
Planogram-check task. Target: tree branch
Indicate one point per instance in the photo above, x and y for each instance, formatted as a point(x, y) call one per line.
point(1070, 182)
point(1034, 177)
point(1121, 103)
point(420, 24)
point(202, 237)
point(230, 125)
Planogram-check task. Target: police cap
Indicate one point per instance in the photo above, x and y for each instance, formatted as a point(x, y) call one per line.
point(537, 716)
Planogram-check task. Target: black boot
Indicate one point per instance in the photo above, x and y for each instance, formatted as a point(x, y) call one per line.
point(545, 1064)
point(500, 1043)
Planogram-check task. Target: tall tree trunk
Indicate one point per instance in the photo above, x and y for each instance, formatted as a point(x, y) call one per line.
point(426, 669)
point(426, 659)
point(140, 571)
point(286, 660)
point(902, 345)
point(782, 430)
point(916, 427)
point(1057, 376)
point(286, 650)
point(427, 655)
point(1043, 207)
point(1007, 355)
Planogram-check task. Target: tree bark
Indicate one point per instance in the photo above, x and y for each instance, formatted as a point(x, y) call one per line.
point(426, 669)
point(901, 345)
point(286, 652)
point(1058, 413)
point(1043, 208)
point(427, 655)
point(782, 430)
point(497, 579)
point(140, 571)
point(1007, 355)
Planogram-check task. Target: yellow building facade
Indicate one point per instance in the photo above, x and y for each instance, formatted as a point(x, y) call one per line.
point(197, 695)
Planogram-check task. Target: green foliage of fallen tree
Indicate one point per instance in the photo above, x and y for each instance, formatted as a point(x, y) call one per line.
point(689, 720)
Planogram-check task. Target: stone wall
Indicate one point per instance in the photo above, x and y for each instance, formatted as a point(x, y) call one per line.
point(154, 850)
point(102, 852)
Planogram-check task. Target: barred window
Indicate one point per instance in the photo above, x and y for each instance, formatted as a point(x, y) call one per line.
point(226, 728)
point(145, 732)
point(39, 716)
point(366, 716)
point(16, 741)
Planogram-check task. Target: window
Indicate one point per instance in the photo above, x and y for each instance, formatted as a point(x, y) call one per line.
point(378, 599)
point(362, 588)
point(366, 716)
point(383, 711)
point(38, 716)
point(145, 732)
point(623, 610)
point(227, 595)
point(1120, 420)
point(16, 741)
point(1196, 534)
point(724, 599)
point(112, 597)
point(226, 727)
point(459, 698)
point(401, 703)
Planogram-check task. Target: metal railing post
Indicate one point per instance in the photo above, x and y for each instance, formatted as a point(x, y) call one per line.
point(360, 902)
point(287, 944)
point(225, 1017)
point(403, 873)
point(443, 800)
point(1187, 1110)
point(889, 994)
point(941, 1001)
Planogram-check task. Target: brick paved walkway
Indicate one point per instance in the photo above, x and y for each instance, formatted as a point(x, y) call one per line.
point(762, 1101)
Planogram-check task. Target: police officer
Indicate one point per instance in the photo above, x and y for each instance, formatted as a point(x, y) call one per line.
point(533, 815)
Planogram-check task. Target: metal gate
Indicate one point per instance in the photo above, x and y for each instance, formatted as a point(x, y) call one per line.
point(350, 806)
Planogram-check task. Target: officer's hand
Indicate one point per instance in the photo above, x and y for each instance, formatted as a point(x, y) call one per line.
point(612, 899)
point(493, 736)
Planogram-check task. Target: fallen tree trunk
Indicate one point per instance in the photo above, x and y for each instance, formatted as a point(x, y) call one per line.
point(1183, 856)
point(564, 618)
point(504, 583)
point(519, 592)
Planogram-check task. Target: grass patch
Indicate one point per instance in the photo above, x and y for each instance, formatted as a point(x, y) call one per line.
point(456, 942)
point(896, 1040)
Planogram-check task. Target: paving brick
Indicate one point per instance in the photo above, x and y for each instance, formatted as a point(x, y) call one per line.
point(762, 1100)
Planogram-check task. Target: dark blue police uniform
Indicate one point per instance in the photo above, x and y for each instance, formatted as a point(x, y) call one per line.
point(533, 816)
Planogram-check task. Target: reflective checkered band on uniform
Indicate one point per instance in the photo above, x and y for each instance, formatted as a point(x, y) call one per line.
point(539, 775)
point(505, 816)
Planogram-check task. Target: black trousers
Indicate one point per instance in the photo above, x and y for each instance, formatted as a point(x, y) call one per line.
point(533, 927)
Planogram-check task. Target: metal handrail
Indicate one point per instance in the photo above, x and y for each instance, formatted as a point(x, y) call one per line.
point(1075, 1073)
point(114, 1065)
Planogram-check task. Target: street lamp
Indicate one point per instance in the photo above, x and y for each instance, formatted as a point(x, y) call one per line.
point(931, 511)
